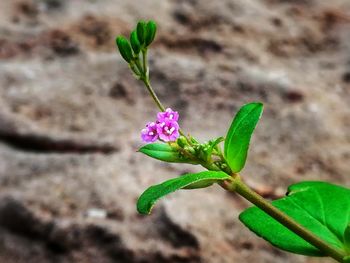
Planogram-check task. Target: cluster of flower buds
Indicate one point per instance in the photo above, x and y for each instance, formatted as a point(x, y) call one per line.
point(165, 128)
point(207, 152)
point(140, 39)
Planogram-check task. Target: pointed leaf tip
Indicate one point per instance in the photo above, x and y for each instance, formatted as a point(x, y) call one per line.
point(149, 197)
point(239, 134)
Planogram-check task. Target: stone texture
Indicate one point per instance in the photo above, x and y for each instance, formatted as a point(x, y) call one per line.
point(70, 116)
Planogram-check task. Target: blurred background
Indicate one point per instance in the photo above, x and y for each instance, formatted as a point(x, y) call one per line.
point(71, 115)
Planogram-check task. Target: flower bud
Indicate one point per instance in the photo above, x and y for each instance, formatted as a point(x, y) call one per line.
point(182, 141)
point(135, 43)
point(141, 31)
point(193, 140)
point(223, 165)
point(151, 29)
point(124, 48)
point(190, 150)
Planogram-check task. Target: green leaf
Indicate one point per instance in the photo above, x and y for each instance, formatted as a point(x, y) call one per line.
point(135, 44)
point(151, 29)
point(321, 207)
point(163, 152)
point(239, 134)
point(124, 48)
point(155, 192)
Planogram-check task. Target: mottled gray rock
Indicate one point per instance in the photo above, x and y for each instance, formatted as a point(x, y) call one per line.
point(70, 116)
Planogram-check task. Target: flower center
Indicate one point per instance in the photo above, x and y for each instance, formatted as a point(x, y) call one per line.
point(169, 131)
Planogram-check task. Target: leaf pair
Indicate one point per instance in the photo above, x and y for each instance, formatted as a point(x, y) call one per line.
point(321, 207)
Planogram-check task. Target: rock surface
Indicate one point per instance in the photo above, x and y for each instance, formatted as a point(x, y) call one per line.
point(70, 116)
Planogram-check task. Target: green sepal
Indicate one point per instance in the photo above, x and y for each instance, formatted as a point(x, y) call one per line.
point(322, 208)
point(239, 134)
point(182, 141)
point(124, 48)
point(193, 140)
point(141, 31)
point(149, 197)
point(164, 152)
point(212, 145)
point(135, 43)
point(151, 29)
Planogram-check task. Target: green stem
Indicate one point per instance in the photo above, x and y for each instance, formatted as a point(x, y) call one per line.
point(153, 94)
point(145, 78)
point(144, 60)
point(146, 81)
point(139, 67)
point(237, 185)
point(134, 69)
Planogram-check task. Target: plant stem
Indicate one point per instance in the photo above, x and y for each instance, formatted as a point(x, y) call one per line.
point(135, 69)
point(237, 185)
point(139, 67)
point(145, 78)
point(152, 93)
point(146, 81)
point(144, 60)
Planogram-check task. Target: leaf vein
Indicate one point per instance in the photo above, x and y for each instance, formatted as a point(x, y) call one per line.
point(318, 220)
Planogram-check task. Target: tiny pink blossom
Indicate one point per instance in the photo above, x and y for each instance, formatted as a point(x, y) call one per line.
point(168, 114)
point(150, 134)
point(168, 130)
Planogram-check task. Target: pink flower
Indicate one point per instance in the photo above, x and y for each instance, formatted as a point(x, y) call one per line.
point(150, 134)
point(168, 114)
point(165, 128)
point(168, 130)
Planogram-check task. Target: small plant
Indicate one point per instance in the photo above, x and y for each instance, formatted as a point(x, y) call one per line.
point(314, 217)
